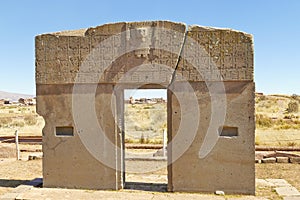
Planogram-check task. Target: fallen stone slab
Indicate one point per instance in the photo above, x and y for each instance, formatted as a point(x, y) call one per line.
point(264, 183)
point(287, 191)
point(282, 159)
point(295, 160)
point(278, 182)
point(268, 160)
point(291, 198)
point(260, 155)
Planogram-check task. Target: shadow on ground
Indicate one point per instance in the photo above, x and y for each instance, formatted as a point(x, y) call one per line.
point(11, 182)
point(155, 187)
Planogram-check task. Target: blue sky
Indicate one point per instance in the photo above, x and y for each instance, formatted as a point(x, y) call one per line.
point(275, 25)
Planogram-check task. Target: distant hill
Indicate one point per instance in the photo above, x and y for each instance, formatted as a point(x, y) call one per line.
point(13, 96)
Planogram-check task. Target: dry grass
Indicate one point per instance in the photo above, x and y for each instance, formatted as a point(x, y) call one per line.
point(144, 123)
point(288, 122)
point(272, 111)
point(21, 118)
point(276, 125)
point(277, 137)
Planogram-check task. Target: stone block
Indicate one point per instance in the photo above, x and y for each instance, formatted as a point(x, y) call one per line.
point(90, 63)
point(282, 159)
point(287, 191)
point(291, 198)
point(295, 160)
point(278, 182)
point(263, 183)
point(268, 160)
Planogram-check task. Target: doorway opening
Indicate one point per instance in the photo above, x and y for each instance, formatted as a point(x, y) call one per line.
point(145, 139)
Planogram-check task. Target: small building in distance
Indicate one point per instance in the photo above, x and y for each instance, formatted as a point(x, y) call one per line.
point(27, 102)
point(145, 100)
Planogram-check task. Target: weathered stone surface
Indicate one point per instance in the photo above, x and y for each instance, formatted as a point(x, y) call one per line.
point(268, 160)
point(294, 159)
point(105, 53)
point(291, 198)
point(264, 183)
point(208, 53)
point(287, 191)
point(278, 182)
point(282, 159)
point(236, 152)
point(217, 54)
point(93, 67)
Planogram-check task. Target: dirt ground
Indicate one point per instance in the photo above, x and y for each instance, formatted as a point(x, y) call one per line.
point(289, 172)
point(14, 173)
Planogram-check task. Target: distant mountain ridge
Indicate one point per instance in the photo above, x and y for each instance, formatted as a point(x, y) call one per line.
point(13, 96)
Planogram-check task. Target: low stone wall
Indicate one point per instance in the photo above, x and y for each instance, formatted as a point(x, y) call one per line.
point(277, 157)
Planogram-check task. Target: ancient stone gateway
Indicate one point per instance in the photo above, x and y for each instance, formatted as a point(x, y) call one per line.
point(208, 73)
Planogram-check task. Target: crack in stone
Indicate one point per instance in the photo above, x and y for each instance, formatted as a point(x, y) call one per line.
point(55, 146)
point(178, 60)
